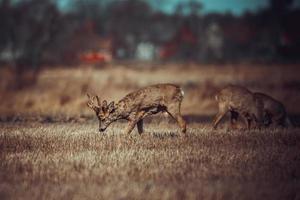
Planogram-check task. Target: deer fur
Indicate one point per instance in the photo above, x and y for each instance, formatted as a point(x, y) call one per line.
point(273, 111)
point(135, 106)
point(239, 101)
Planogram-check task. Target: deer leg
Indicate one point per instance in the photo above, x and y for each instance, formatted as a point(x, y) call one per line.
point(181, 122)
point(266, 119)
point(234, 118)
point(136, 119)
point(258, 117)
point(140, 126)
point(139, 120)
point(222, 112)
point(277, 120)
point(174, 112)
point(130, 127)
point(257, 121)
point(218, 118)
point(287, 122)
point(247, 121)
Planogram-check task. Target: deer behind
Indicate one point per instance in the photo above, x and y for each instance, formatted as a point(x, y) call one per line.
point(135, 106)
point(239, 101)
point(274, 112)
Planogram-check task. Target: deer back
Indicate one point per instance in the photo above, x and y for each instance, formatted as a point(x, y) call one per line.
point(269, 104)
point(160, 95)
point(236, 98)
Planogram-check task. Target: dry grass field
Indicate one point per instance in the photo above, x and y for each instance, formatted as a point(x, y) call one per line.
point(50, 147)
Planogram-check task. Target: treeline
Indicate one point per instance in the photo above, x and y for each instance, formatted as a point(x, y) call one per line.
point(37, 32)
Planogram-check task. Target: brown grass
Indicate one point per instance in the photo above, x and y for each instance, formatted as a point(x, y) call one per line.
point(63, 91)
point(50, 147)
point(73, 161)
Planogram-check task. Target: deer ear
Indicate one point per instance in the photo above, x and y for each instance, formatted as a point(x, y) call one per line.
point(111, 106)
point(98, 100)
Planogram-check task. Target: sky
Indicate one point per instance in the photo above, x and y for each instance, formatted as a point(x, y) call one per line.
point(236, 7)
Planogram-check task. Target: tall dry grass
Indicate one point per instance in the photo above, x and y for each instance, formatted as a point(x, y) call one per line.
point(73, 161)
point(50, 147)
point(61, 92)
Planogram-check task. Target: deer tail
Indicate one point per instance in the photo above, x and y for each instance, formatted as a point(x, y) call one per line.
point(182, 92)
point(179, 94)
point(217, 97)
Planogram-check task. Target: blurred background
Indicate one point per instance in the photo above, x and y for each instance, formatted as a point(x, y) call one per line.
point(52, 52)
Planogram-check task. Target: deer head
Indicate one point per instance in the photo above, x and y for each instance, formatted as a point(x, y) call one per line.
point(105, 113)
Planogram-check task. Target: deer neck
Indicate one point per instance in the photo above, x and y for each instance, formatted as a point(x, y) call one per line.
point(121, 111)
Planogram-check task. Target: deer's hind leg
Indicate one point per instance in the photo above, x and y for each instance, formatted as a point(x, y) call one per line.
point(174, 111)
point(278, 120)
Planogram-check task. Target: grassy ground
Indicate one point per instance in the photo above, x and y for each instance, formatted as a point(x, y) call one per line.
point(73, 161)
point(50, 147)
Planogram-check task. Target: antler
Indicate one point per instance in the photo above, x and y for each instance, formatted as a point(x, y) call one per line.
point(91, 103)
point(98, 101)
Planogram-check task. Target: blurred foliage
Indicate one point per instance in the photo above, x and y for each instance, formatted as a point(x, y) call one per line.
point(35, 33)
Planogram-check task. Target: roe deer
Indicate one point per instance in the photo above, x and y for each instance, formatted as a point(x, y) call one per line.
point(239, 101)
point(273, 111)
point(141, 103)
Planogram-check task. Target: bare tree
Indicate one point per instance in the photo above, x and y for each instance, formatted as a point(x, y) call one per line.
point(31, 29)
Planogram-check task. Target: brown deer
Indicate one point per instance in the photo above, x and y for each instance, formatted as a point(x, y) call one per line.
point(273, 111)
point(238, 101)
point(135, 106)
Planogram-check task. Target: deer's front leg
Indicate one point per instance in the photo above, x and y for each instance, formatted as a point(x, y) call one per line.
point(222, 112)
point(140, 126)
point(136, 119)
point(130, 126)
point(217, 119)
point(140, 117)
